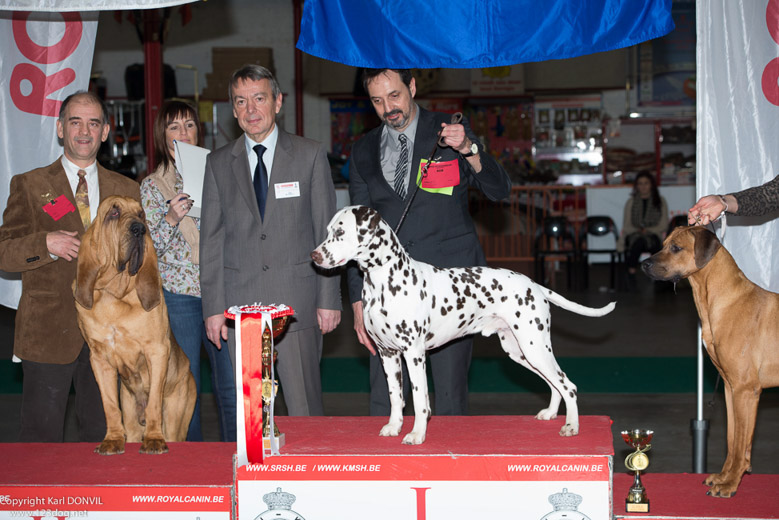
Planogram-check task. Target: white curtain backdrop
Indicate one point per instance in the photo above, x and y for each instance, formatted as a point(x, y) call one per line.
point(738, 120)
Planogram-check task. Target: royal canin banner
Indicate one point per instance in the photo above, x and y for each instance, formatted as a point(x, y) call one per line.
point(44, 57)
point(738, 120)
point(115, 502)
point(46, 49)
point(425, 487)
point(86, 5)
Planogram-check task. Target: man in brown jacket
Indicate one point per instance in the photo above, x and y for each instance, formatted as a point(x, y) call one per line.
point(40, 236)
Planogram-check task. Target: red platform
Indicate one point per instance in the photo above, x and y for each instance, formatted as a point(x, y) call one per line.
point(683, 497)
point(474, 435)
point(206, 468)
point(468, 467)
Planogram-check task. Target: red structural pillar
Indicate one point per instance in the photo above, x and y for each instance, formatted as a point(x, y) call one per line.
point(152, 78)
point(298, 15)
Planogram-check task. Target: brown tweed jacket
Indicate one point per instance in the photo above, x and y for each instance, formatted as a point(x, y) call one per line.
point(46, 329)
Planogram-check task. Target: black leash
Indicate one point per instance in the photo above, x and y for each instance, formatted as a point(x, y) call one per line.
point(456, 118)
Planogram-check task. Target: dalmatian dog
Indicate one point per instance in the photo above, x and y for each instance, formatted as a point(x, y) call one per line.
point(410, 307)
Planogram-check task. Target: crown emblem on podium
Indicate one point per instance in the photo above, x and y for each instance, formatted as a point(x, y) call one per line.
point(279, 499)
point(564, 501)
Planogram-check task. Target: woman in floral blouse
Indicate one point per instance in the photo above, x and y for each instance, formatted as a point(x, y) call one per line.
point(176, 238)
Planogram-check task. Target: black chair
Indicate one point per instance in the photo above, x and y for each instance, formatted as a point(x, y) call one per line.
point(554, 239)
point(599, 226)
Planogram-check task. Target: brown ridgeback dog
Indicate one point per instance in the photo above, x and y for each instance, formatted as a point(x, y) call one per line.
point(740, 325)
point(124, 319)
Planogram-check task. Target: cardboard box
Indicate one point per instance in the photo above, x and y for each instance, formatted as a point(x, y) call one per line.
point(225, 60)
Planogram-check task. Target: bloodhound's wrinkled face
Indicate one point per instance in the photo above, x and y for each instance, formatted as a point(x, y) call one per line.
point(117, 242)
point(685, 251)
point(124, 224)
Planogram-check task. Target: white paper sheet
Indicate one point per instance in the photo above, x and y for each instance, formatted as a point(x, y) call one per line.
point(191, 164)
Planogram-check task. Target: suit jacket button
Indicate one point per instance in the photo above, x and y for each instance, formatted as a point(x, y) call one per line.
point(265, 267)
point(33, 259)
point(262, 237)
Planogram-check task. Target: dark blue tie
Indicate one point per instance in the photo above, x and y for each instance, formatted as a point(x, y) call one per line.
point(260, 180)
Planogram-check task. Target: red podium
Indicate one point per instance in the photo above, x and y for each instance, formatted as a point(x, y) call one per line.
point(468, 467)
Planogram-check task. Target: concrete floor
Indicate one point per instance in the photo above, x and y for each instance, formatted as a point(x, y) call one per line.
point(651, 321)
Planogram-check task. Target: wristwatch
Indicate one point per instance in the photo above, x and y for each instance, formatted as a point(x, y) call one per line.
point(473, 151)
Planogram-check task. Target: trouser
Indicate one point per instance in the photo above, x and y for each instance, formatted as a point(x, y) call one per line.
point(45, 391)
point(186, 322)
point(449, 367)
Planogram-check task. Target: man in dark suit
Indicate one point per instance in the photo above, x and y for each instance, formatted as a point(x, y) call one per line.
point(267, 199)
point(385, 165)
point(48, 210)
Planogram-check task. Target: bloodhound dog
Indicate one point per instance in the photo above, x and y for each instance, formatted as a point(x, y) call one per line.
point(740, 325)
point(124, 319)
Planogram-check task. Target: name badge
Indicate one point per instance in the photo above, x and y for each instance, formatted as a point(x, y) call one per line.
point(286, 190)
point(441, 178)
point(442, 175)
point(59, 207)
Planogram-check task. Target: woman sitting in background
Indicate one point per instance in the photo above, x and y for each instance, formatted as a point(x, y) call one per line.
point(645, 220)
point(176, 238)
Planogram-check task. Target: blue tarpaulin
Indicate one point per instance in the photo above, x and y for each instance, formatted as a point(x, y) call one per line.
point(474, 33)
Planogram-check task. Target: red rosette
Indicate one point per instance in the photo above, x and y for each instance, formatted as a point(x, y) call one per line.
point(276, 311)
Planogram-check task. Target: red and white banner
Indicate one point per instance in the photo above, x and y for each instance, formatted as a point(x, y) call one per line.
point(115, 502)
point(44, 57)
point(425, 487)
point(86, 5)
point(738, 120)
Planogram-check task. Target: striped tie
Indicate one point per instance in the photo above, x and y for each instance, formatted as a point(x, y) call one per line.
point(402, 167)
point(82, 198)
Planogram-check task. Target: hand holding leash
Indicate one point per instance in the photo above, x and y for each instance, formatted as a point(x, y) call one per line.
point(440, 142)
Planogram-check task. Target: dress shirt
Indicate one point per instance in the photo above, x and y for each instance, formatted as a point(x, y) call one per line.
point(71, 170)
point(267, 158)
point(390, 149)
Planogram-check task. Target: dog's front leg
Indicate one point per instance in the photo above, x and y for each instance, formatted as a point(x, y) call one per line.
point(744, 405)
point(718, 478)
point(417, 374)
point(105, 375)
point(153, 438)
point(392, 369)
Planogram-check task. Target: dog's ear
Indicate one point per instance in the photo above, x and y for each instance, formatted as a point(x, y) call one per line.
point(375, 220)
point(706, 245)
point(87, 269)
point(362, 214)
point(148, 284)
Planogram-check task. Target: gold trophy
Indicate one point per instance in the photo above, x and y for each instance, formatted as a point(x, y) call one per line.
point(269, 386)
point(637, 500)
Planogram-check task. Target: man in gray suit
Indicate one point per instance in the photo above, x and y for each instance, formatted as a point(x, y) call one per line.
point(384, 168)
point(267, 199)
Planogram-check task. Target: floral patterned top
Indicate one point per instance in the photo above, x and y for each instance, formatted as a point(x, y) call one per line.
point(174, 254)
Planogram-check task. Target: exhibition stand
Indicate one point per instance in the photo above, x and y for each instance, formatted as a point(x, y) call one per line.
point(338, 467)
point(70, 480)
point(468, 467)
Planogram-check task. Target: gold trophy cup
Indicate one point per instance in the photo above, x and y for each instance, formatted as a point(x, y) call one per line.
point(637, 500)
point(268, 385)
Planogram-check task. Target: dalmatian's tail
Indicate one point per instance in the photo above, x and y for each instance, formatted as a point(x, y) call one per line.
point(576, 307)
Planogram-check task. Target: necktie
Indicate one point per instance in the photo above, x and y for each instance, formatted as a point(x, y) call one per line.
point(401, 167)
point(260, 180)
point(82, 198)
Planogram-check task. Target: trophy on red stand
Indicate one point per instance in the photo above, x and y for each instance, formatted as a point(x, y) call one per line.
point(256, 327)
